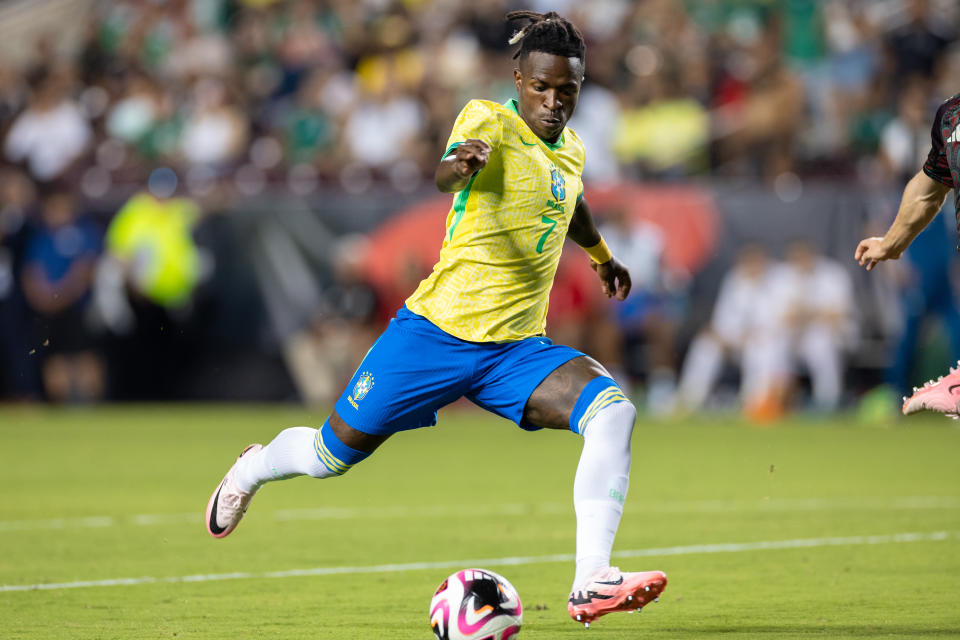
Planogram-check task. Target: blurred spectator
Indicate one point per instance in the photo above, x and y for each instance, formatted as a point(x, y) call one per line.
point(19, 374)
point(146, 284)
point(760, 126)
point(51, 134)
point(216, 130)
point(813, 305)
point(135, 113)
point(739, 328)
point(918, 45)
point(642, 344)
point(597, 121)
point(905, 140)
point(383, 129)
point(59, 262)
point(663, 131)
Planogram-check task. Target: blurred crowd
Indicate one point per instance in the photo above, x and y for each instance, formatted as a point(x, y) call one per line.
point(171, 109)
point(309, 92)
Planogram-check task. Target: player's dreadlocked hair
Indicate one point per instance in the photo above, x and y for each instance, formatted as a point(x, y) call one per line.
point(547, 32)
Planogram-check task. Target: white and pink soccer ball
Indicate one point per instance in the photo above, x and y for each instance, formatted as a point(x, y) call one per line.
point(476, 604)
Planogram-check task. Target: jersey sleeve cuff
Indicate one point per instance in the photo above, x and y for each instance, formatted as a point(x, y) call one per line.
point(450, 149)
point(938, 178)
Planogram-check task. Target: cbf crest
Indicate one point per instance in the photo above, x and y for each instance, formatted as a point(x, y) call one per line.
point(363, 386)
point(557, 185)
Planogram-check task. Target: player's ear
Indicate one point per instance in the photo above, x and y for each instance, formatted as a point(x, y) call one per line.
point(518, 79)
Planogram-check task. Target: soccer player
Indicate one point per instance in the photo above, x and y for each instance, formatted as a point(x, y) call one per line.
point(475, 326)
point(922, 199)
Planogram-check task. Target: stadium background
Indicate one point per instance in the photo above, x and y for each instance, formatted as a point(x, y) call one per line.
point(298, 141)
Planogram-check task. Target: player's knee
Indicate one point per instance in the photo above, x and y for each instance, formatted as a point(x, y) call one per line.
point(335, 457)
point(600, 394)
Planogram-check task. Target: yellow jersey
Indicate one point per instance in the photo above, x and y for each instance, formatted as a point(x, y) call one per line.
point(505, 230)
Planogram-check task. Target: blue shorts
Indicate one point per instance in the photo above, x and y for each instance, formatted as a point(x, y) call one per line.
point(415, 368)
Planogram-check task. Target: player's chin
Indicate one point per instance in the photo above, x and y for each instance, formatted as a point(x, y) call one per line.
point(550, 129)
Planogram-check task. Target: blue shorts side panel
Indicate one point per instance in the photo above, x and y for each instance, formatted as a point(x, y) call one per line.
point(509, 373)
point(412, 370)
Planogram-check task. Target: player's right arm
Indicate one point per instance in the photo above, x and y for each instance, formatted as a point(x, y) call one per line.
point(475, 134)
point(922, 199)
point(455, 170)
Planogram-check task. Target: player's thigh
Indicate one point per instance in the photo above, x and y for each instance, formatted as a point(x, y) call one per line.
point(412, 370)
point(552, 402)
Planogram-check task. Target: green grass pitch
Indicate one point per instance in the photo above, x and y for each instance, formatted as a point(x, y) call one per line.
point(790, 531)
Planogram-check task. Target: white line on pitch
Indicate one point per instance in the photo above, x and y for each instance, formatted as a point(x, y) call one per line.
point(505, 509)
point(725, 547)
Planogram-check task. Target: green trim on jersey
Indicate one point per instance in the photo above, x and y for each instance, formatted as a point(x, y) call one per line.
point(553, 146)
point(460, 204)
point(450, 150)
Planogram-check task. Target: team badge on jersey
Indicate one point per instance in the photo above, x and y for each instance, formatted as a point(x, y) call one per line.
point(557, 185)
point(363, 386)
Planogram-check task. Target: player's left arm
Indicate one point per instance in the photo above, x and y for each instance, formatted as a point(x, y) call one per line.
point(614, 277)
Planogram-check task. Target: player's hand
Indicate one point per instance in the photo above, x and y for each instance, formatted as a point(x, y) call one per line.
point(471, 156)
point(870, 251)
point(614, 278)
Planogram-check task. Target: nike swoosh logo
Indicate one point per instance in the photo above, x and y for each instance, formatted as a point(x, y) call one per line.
point(529, 144)
point(473, 616)
point(952, 387)
point(214, 527)
point(614, 583)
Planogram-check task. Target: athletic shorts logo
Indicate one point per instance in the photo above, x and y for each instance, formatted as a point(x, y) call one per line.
point(363, 386)
point(557, 185)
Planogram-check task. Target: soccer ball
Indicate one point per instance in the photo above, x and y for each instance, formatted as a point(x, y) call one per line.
point(476, 604)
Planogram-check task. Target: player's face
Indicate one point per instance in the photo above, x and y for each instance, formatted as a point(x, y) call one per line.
point(548, 87)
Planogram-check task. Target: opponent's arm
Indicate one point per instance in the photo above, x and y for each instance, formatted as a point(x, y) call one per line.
point(614, 277)
point(455, 170)
point(922, 199)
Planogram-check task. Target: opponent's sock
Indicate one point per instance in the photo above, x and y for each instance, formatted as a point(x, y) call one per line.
point(297, 451)
point(600, 486)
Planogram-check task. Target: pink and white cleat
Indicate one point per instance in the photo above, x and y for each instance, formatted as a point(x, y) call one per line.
point(941, 395)
point(609, 590)
point(228, 503)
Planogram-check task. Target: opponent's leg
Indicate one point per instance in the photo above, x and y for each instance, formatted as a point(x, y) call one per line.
point(319, 453)
point(580, 396)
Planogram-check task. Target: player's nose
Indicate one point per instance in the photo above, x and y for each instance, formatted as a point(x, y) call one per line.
point(551, 100)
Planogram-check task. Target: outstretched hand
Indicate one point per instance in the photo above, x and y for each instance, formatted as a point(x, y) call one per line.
point(614, 278)
point(870, 251)
point(471, 156)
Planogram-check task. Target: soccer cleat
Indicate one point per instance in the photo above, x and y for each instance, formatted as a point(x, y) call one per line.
point(941, 395)
point(609, 590)
point(228, 504)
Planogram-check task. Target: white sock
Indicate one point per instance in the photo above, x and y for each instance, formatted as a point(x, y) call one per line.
point(600, 486)
point(288, 455)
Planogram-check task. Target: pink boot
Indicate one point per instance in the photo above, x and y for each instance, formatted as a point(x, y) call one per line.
point(941, 395)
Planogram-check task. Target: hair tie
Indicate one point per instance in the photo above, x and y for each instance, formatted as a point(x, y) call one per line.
point(518, 36)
